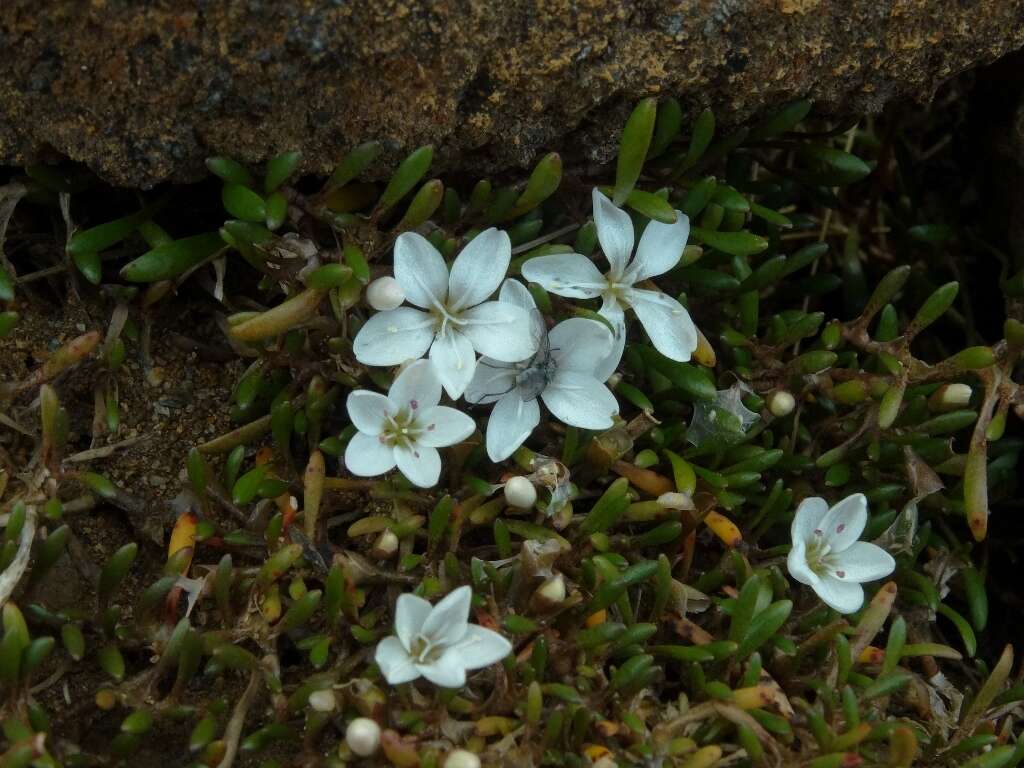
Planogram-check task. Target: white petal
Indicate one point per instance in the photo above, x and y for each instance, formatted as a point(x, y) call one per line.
point(843, 596)
point(572, 275)
point(410, 613)
point(368, 410)
point(392, 337)
point(807, 519)
point(447, 622)
point(614, 231)
point(661, 247)
point(480, 647)
point(446, 672)
point(479, 269)
point(416, 388)
point(491, 381)
point(666, 321)
point(580, 400)
point(443, 426)
point(420, 270)
point(579, 344)
point(606, 367)
point(420, 464)
point(394, 662)
point(796, 564)
point(845, 522)
point(510, 423)
point(454, 362)
point(499, 330)
point(367, 456)
point(861, 561)
point(514, 292)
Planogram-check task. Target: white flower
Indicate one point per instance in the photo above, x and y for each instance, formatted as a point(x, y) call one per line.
point(459, 320)
point(437, 642)
point(827, 556)
point(405, 428)
point(561, 373)
point(573, 275)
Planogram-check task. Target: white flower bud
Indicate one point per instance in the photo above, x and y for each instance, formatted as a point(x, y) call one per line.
point(462, 758)
point(781, 403)
point(520, 493)
point(323, 701)
point(384, 293)
point(385, 546)
point(674, 500)
point(363, 736)
point(949, 397)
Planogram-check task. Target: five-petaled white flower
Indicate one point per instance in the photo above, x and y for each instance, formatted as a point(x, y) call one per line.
point(561, 373)
point(827, 556)
point(458, 321)
point(573, 275)
point(437, 642)
point(405, 428)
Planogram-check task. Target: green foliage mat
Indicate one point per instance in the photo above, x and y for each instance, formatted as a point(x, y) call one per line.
point(861, 332)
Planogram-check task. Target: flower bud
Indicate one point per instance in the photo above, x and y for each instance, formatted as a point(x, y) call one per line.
point(324, 701)
point(949, 397)
point(674, 500)
point(781, 403)
point(549, 595)
point(520, 493)
point(363, 736)
point(462, 758)
point(384, 293)
point(385, 546)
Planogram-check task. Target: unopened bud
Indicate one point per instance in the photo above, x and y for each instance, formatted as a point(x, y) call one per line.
point(520, 493)
point(550, 594)
point(323, 701)
point(363, 736)
point(781, 403)
point(384, 293)
point(674, 500)
point(949, 397)
point(385, 546)
point(462, 758)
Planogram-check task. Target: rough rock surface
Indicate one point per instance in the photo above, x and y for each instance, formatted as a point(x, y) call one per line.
point(143, 90)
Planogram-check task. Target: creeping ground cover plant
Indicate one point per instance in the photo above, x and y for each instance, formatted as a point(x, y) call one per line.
point(704, 454)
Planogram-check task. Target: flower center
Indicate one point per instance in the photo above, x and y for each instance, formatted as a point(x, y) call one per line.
point(400, 429)
point(423, 651)
point(443, 316)
point(614, 288)
point(818, 551)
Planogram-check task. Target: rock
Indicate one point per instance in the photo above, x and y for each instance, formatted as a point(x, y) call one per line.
point(143, 91)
